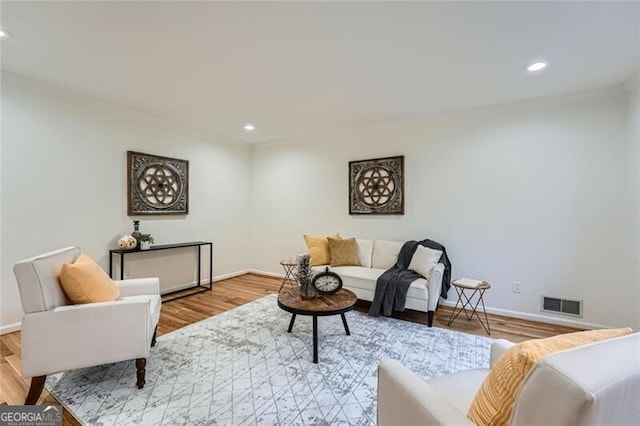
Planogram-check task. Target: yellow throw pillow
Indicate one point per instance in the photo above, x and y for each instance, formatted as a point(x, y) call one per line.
point(319, 249)
point(494, 401)
point(84, 281)
point(343, 252)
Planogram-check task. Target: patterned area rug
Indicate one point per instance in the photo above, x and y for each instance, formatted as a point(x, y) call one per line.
point(243, 368)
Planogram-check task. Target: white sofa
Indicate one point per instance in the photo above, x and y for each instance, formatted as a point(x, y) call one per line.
point(375, 257)
point(595, 384)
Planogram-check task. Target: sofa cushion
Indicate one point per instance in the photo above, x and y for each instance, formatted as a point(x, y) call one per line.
point(365, 249)
point(370, 274)
point(365, 278)
point(84, 281)
point(385, 254)
point(318, 247)
point(494, 401)
point(424, 260)
point(344, 252)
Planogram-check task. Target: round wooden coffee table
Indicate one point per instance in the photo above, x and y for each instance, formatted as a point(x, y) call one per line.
point(322, 306)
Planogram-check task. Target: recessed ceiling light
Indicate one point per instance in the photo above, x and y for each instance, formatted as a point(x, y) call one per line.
point(4, 33)
point(537, 65)
point(249, 127)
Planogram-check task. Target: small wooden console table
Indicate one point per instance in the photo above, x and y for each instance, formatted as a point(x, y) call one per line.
point(200, 287)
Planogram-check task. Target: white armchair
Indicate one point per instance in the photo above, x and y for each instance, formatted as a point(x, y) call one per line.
point(593, 384)
point(59, 336)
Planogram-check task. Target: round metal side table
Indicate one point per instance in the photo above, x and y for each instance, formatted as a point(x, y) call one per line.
point(290, 267)
point(478, 288)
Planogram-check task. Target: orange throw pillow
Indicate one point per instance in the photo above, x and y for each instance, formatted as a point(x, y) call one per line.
point(494, 401)
point(84, 281)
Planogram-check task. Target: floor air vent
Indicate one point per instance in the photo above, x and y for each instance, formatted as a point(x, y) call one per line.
point(561, 306)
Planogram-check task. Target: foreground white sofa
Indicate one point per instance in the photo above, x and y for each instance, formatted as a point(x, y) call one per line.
point(595, 384)
point(375, 257)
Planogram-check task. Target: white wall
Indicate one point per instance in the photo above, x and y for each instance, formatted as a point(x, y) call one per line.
point(64, 183)
point(535, 192)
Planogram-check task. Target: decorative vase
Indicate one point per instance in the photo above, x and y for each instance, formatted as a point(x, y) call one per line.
point(136, 232)
point(145, 245)
point(305, 277)
point(127, 242)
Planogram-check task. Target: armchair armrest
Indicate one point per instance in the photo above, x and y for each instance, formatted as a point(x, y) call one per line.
point(78, 336)
point(405, 399)
point(434, 286)
point(499, 347)
point(138, 286)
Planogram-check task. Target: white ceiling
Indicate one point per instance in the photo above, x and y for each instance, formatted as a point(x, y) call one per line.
point(305, 68)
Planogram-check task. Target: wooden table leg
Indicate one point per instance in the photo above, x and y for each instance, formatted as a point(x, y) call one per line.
point(35, 390)
point(346, 327)
point(315, 339)
point(293, 319)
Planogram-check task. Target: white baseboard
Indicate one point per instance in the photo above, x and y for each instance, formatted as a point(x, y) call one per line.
point(266, 273)
point(205, 281)
point(10, 328)
point(536, 317)
point(229, 275)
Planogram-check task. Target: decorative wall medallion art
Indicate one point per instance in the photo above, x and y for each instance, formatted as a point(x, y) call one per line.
point(157, 185)
point(377, 186)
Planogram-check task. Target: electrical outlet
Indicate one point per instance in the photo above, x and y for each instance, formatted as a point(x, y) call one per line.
point(127, 273)
point(516, 286)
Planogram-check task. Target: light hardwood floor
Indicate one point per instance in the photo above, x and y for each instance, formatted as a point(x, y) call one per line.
point(237, 291)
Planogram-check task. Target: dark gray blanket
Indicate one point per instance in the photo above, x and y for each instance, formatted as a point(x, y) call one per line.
point(393, 284)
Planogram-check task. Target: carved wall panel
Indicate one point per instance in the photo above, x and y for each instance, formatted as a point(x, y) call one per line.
point(157, 185)
point(376, 186)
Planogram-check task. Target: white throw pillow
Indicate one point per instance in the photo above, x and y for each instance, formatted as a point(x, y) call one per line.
point(424, 260)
